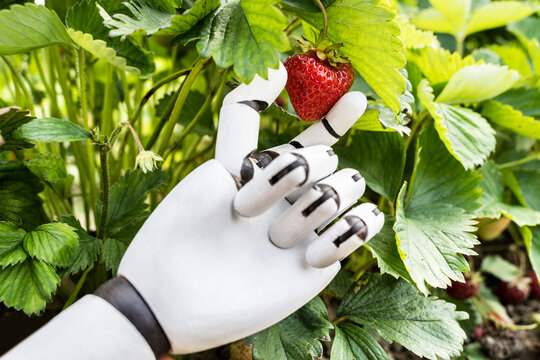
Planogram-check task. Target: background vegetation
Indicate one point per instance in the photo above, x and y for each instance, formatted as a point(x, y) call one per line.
point(450, 138)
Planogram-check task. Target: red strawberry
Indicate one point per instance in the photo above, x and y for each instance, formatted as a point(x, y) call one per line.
point(478, 333)
point(314, 85)
point(463, 290)
point(514, 292)
point(535, 286)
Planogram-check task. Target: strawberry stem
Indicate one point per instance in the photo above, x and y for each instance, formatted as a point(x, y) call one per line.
point(323, 10)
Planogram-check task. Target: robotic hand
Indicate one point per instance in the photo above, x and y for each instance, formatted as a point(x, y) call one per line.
point(233, 248)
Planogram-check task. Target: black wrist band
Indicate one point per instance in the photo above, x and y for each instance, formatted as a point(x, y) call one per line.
point(126, 299)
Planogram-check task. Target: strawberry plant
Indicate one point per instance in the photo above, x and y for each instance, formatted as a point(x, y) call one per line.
point(106, 105)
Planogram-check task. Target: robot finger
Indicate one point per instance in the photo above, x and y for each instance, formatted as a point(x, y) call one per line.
point(319, 205)
point(238, 128)
point(283, 176)
point(327, 131)
point(356, 228)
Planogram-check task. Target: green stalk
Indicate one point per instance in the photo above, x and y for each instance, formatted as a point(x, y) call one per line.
point(106, 115)
point(127, 98)
point(177, 110)
point(219, 84)
point(104, 156)
point(20, 82)
point(156, 87)
point(323, 10)
point(81, 161)
point(522, 161)
point(86, 121)
point(55, 110)
point(163, 120)
point(460, 40)
point(78, 287)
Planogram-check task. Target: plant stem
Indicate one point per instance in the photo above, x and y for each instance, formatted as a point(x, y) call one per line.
point(77, 147)
point(78, 287)
point(106, 115)
point(199, 115)
point(524, 160)
point(134, 133)
point(156, 87)
point(86, 122)
point(177, 110)
point(163, 120)
point(460, 39)
point(104, 156)
point(339, 320)
point(20, 82)
point(323, 10)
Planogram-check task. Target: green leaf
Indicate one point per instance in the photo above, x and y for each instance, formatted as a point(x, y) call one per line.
point(9, 122)
point(526, 100)
point(148, 19)
point(296, 337)
point(434, 220)
point(52, 130)
point(114, 248)
point(255, 36)
point(384, 248)
point(531, 238)
point(24, 186)
point(127, 196)
point(341, 283)
point(527, 181)
point(86, 252)
point(486, 55)
point(438, 64)
point(508, 117)
point(87, 30)
point(466, 134)
point(497, 14)
point(500, 268)
point(51, 243)
point(354, 343)
point(458, 18)
point(412, 37)
point(11, 240)
point(28, 285)
point(425, 325)
point(10, 206)
point(382, 170)
point(476, 83)
point(492, 199)
point(446, 16)
point(370, 40)
point(50, 167)
point(29, 27)
point(514, 57)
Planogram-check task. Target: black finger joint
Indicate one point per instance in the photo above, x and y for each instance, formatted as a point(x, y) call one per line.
point(328, 192)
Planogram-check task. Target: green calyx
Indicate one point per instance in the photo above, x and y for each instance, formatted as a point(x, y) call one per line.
point(325, 50)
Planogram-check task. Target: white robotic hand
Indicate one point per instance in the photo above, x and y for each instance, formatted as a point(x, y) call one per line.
point(234, 248)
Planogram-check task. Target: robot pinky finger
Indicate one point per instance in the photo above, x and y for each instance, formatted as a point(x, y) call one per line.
point(320, 204)
point(356, 228)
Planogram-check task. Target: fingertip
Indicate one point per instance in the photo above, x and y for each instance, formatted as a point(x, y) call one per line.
point(346, 111)
point(266, 90)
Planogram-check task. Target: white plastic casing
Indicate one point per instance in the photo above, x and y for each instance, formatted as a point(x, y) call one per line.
point(89, 329)
point(292, 226)
point(259, 88)
point(323, 252)
point(345, 112)
point(211, 276)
